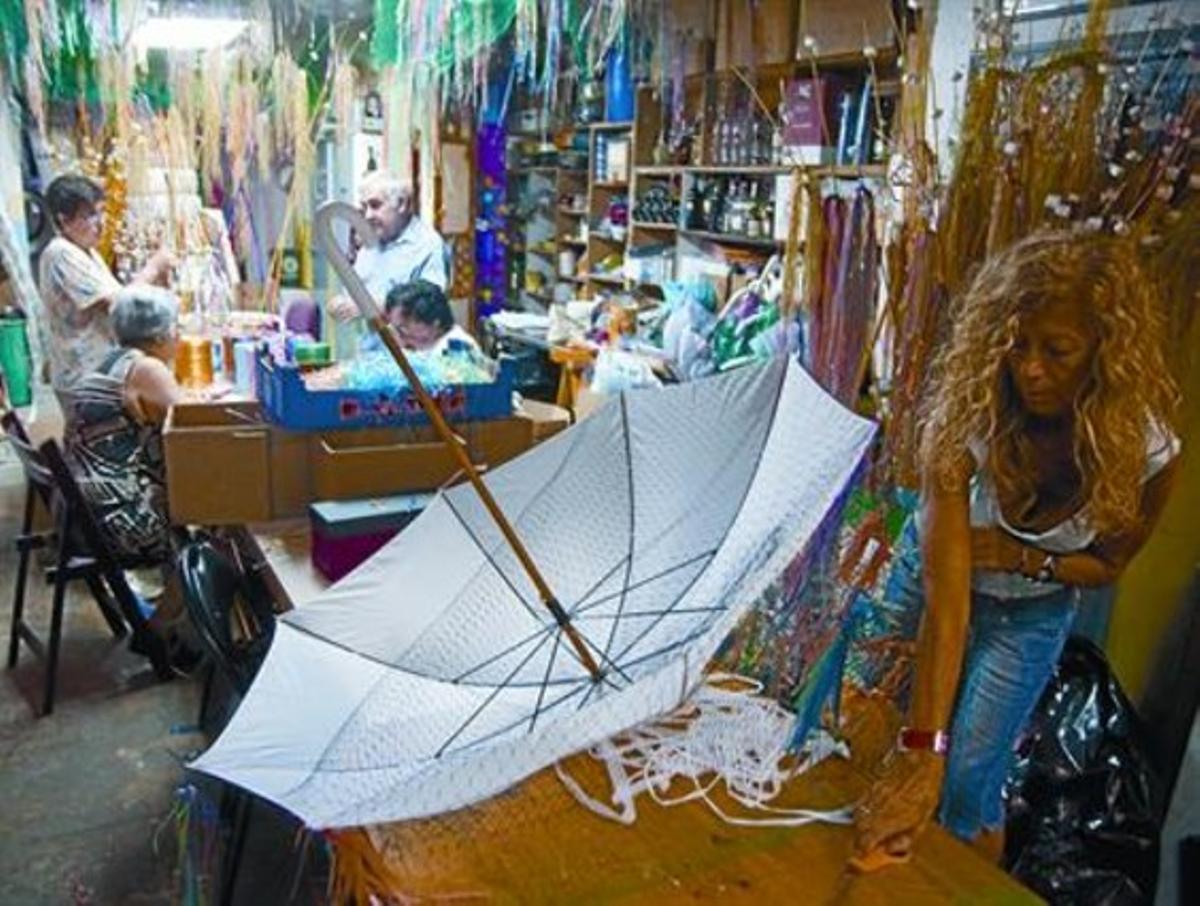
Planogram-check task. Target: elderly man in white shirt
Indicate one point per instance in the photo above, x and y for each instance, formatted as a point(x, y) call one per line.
point(409, 249)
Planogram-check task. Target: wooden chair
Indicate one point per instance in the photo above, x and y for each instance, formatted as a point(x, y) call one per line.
point(81, 553)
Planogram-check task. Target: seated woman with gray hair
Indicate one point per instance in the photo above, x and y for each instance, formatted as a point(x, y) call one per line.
point(114, 418)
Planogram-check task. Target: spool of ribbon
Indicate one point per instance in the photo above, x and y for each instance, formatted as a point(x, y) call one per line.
point(194, 362)
point(245, 353)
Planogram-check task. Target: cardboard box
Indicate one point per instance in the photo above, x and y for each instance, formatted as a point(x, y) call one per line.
point(291, 473)
point(547, 418)
point(379, 461)
point(218, 463)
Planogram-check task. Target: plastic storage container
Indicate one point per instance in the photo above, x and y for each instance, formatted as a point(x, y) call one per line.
point(288, 403)
point(15, 361)
point(345, 533)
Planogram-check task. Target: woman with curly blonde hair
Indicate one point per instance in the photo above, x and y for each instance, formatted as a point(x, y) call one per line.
point(1048, 454)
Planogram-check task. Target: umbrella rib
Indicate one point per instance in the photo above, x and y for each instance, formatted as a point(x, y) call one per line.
point(741, 505)
point(580, 609)
point(596, 585)
point(487, 555)
point(612, 632)
point(548, 628)
point(545, 627)
point(687, 638)
point(580, 686)
point(632, 614)
point(490, 698)
point(745, 495)
point(657, 620)
point(387, 766)
point(532, 612)
point(537, 708)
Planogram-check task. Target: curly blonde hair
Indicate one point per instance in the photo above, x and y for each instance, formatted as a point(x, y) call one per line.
point(972, 397)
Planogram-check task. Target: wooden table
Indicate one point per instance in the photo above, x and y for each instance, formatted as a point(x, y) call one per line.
point(536, 844)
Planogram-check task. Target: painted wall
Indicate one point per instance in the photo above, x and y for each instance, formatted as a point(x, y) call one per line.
point(1151, 591)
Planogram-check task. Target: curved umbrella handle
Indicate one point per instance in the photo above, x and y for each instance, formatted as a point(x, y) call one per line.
point(323, 231)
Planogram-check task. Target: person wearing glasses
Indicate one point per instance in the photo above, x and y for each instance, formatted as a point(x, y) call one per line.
point(77, 288)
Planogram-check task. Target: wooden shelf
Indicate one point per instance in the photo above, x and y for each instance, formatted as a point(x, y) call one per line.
point(611, 240)
point(733, 239)
point(852, 171)
point(841, 170)
point(572, 240)
point(528, 170)
point(733, 170)
point(572, 212)
point(609, 279)
point(610, 127)
point(655, 227)
point(616, 186)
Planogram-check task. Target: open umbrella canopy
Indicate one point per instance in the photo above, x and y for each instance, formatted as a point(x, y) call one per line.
point(432, 678)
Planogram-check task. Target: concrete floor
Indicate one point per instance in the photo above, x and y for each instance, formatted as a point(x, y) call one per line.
point(86, 793)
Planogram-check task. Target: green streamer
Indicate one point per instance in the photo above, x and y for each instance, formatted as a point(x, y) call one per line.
point(385, 42)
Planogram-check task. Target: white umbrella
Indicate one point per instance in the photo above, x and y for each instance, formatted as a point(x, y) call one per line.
point(432, 678)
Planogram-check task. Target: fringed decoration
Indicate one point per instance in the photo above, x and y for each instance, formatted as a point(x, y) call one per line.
point(345, 92)
point(197, 845)
point(360, 875)
point(211, 118)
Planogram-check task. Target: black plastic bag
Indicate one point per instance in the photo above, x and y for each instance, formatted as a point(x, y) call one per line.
point(1083, 797)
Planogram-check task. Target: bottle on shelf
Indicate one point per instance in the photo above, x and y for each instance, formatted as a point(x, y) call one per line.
point(768, 213)
point(695, 211)
point(601, 159)
point(735, 225)
point(754, 213)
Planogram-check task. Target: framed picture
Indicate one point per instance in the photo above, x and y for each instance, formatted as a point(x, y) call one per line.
point(289, 269)
point(372, 112)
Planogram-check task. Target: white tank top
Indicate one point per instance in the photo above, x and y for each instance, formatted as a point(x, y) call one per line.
point(1072, 535)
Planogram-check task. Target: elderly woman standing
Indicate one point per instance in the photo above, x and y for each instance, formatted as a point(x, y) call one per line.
point(114, 417)
point(1048, 454)
point(77, 288)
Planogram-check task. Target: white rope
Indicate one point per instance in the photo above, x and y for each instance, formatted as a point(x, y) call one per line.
point(728, 734)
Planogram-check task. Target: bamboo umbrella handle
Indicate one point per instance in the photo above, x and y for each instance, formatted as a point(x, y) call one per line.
point(323, 228)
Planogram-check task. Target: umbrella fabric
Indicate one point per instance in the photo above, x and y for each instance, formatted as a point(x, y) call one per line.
point(431, 677)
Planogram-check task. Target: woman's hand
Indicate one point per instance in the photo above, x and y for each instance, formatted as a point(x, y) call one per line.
point(995, 550)
point(897, 808)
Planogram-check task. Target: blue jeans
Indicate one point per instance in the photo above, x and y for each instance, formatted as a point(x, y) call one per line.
point(1012, 648)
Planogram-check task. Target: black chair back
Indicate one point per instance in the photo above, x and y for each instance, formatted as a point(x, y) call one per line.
point(216, 593)
point(37, 471)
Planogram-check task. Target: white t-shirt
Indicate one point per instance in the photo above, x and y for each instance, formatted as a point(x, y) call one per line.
point(455, 335)
point(73, 284)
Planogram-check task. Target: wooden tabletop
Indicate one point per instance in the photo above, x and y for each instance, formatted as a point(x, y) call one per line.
point(536, 844)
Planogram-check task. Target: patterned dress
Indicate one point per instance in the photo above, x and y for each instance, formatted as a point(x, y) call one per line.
point(119, 462)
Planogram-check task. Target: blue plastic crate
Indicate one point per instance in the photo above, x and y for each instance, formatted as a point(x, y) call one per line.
point(288, 403)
